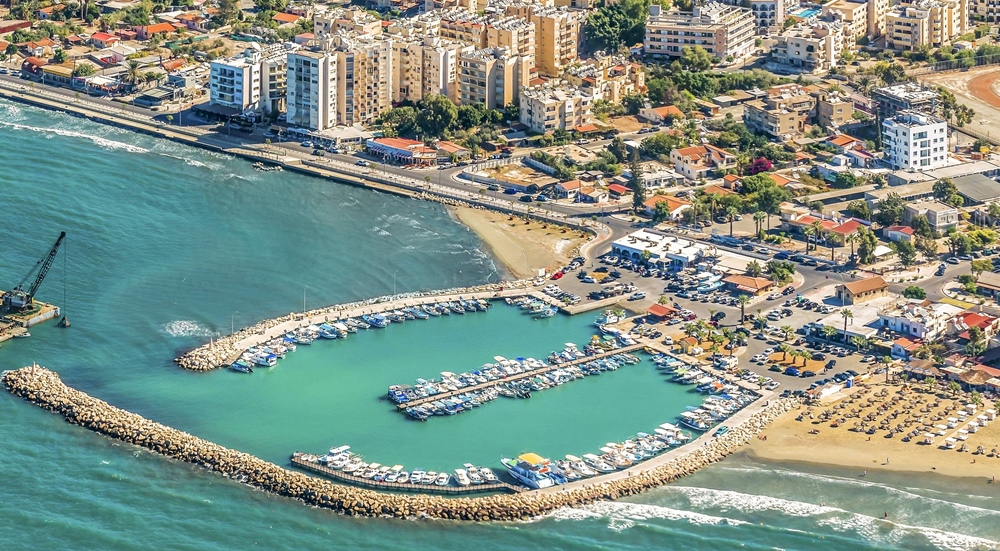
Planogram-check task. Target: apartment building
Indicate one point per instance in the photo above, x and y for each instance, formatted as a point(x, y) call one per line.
point(364, 83)
point(557, 34)
point(274, 76)
point(816, 47)
point(782, 114)
point(235, 82)
point(929, 23)
point(425, 66)
point(548, 108)
point(852, 15)
point(491, 76)
point(986, 10)
point(915, 140)
point(768, 15)
point(722, 30)
point(312, 89)
point(608, 78)
point(833, 109)
point(908, 96)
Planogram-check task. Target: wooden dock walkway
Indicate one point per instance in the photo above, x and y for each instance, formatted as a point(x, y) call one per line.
point(519, 376)
point(298, 461)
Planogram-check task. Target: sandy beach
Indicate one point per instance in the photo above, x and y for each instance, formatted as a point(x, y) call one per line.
point(523, 247)
point(844, 445)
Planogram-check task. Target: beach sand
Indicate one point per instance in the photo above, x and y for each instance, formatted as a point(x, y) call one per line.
point(789, 440)
point(523, 248)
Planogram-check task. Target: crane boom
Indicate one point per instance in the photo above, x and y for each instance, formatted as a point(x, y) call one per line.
point(18, 298)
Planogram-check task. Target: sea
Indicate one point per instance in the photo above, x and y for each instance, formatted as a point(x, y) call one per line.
point(170, 246)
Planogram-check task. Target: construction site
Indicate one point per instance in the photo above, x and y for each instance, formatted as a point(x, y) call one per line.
point(19, 309)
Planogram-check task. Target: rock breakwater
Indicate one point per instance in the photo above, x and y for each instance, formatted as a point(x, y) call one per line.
point(45, 389)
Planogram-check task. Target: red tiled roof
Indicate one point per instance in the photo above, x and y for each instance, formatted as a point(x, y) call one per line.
point(843, 140)
point(748, 283)
point(673, 203)
point(905, 343)
point(618, 188)
point(668, 111)
point(778, 179)
point(865, 285)
point(848, 227)
point(159, 28)
point(901, 229)
point(570, 185)
point(986, 369)
point(103, 36)
point(172, 64)
point(584, 128)
point(398, 143)
point(716, 190)
point(450, 147)
point(661, 310)
point(730, 178)
point(286, 17)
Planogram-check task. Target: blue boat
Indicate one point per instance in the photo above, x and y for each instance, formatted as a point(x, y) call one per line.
point(328, 332)
point(376, 320)
point(242, 367)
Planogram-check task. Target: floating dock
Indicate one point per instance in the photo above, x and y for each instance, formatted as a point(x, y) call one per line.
point(519, 376)
point(298, 461)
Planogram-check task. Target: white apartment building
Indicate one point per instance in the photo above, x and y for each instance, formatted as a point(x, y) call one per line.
point(274, 76)
point(425, 66)
point(364, 77)
point(768, 15)
point(861, 18)
point(816, 47)
point(491, 76)
point(235, 82)
point(312, 90)
point(915, 140)
point(926, 23)
point(547, 108)
point(916, 320)
point(722, 30)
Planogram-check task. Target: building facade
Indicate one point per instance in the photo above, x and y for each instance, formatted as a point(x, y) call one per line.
point(235, 82)
point(782, 113)
point(556, 37)
point(816, 47)
point(548, 108)
point(929, 23)
point(720, 29)
point(491, 76)
point(915, 140)
point(312, 90)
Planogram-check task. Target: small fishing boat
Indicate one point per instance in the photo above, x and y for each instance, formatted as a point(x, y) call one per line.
point(242, 366)
point(462, 477)
point(22, 335)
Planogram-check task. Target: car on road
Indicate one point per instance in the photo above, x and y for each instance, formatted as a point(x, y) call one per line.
point(526, 198)
point(582, 141)
point(781, 256)
point(362, 162)
point(774, 296)
point(510, 191)
point(965, 257)
point(808, 373)
point(775, 367)
point(952, 260)
point(269, 134)
point(306, 143)
point(493, 187)
point(818, 356)
point(637, 296)
point(588, 279)
point(792, 371)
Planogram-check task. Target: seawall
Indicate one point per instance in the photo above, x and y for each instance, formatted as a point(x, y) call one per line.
point(45, 389)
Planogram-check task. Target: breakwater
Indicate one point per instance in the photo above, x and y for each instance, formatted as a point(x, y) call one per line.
point(45, 389)
point(225, 350)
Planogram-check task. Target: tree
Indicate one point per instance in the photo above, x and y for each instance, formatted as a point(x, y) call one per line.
point(906, 252)
point(753, 269)
point(915, 292)
point(859, 209)
point(759, 165)
point(977, 342)
point(758, 220)
point(618, 148)
point(828, 332)
point(621, 23)
point(994, 212)
point(743, 300)
point(978, 266)
point(785, 351)
point(921, 226)
point(859, 342)
point(954, 387)
point(866, 245)
point(944, 188)
point(817, 232)
point(845, 180)
point(960, 244)
point(133, 72)
point(852, 239)
point(471, 116)
point(437, 114)
point(847, 314)
point(928, 247)
point(84, 70)
point(635, 183)
point(731, 213)
point(890, 209)
point(786, 331)
point(696, 58)
point(60, 56)
point(512, 112)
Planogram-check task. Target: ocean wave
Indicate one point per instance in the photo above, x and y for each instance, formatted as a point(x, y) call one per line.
point(188, 161)
point(620, 514)
point(97, 140)
point(727, 500)
point(188, 328)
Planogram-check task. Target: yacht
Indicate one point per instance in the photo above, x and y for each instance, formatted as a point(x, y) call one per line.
point(416, 476)
point(474, 475)
point(488, 476)
point(266, 360)
point(443, 479)
point(462, 477)
point(608, 318)
point(22, 335)
point(428, 477)
point(529, 469)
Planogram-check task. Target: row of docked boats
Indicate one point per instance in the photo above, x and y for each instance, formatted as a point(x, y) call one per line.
point(723, 400)
point(343, 459)
point(537, 472)
point(268, 354)
point(515, 378)
point(534, 307)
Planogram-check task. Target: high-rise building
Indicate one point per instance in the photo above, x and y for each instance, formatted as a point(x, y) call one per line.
point(557, 34)
point(549, 108)
point(816, 47)
point(491, 76)
point(913, 140)
point(364, 77)
point(720, 29)
point(908, 96)
point(768, 15)
point(235, 82)
point(930, 23)
point(312, 90)
point(424, 66)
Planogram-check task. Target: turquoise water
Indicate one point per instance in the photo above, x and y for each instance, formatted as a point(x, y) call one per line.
point(169, 245)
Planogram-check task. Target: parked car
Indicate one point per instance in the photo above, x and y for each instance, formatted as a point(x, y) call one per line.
point(362, 162)
point(792, 371)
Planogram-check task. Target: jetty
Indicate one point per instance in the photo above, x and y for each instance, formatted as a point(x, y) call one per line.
point(517, 377)
point(299, 460)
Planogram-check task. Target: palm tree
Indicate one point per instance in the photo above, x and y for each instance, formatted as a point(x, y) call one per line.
point(976, 398)
point(847, 314)
point(807, 232)
point(954, 387)
point(728, 334)
point(787, 331)
point(817, 232)
point(711, 314)
point(828, 332)
point(859, 342)
point(743, 300)
point(754, 269)
point(932, 384)
point(887, 361)
point(804, 355)
point(133, 72)
point(865, 84)
point(994, 212)
point(731, 213)
point(853, 238)
point(758, 218)
point(714, 349)
point(785, 350)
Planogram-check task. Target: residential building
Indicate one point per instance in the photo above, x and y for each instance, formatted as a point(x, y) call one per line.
point(852, 14)
point(964, 321)
point(102, 40)
point(547, 108)
point(274, 76)
point(658, 115)
point(675, 205)
point(312, 89)
point(988, 284)
point(908, 96)
point(609, 78)
point(720, 29)
point(862, 291)
point(353, 20)
point(986, 10)
point(235, 82)
point(816, 47)
point(425, 66)
point(768, 15)
point(931, 23)
point(700, 161)
point(918, 319)
point(492, 76)
point(782, 113)
point(899, 233)
point(557, 34)
point(941, 216)
point(515, 34)
point(145, 32)
point(915, 140)
point(364, 77)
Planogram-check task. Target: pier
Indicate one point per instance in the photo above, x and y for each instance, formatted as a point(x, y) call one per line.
point(519, 376)
point(298, 461)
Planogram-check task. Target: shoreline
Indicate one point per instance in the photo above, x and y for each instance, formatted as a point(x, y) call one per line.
point(46, 390)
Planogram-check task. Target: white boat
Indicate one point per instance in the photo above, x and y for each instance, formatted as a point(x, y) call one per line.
point(443, 479)
point(488, 476)
point(22, 335)
point(428, 477)
point(474, 476)
point(530, 469)
point(462, 477)
point(416, 476)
